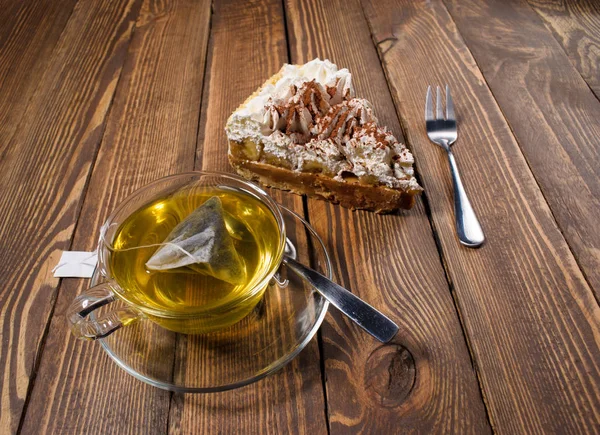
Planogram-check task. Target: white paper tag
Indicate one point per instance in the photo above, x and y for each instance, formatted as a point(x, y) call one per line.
point(76, 264)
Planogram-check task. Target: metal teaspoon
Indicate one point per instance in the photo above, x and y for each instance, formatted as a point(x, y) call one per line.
point(361, 313)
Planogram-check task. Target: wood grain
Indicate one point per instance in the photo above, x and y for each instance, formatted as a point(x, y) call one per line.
point(423, 381)
point(150, 133)
point(551, 111)
point(29, 31)
point(526, 122)
point(43, 171)
point(576, 26)
point(531, 319)
point(247, 46)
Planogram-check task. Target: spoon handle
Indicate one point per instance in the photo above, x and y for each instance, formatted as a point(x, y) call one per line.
point(361, 313)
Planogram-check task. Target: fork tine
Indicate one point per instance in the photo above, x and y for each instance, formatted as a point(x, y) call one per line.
point(428, 105)
point(439, 111)
point(449, 105)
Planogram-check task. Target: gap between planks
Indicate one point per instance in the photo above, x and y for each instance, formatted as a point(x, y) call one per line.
point(30, 98)
point(213, 62)
point(42, 344)
point(204, 74)
point(548, 24)
point(537, 184)
point(564, 49)
point(198, 126)
point(427, 207)
point(307, 217)
point(527, 161)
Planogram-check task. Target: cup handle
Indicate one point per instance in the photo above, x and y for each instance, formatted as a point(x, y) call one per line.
point(93, 298)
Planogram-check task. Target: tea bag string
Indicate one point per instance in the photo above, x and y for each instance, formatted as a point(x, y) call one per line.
point(156, 245)
point(93, 254)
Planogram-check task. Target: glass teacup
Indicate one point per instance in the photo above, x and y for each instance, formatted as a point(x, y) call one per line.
point(181, 301)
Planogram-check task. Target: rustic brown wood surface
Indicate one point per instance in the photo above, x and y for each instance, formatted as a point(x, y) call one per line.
point(160, 81)
point(530, 316)
point(576, 26)
point(241, 57)
point(43, 172)
point(29, 31)
point(392, 262)
point(98, 98)
point(551, 111)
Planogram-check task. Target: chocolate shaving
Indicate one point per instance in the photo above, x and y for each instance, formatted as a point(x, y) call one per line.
point(309, 118)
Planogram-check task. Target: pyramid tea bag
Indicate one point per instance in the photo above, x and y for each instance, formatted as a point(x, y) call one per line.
point(202, 243)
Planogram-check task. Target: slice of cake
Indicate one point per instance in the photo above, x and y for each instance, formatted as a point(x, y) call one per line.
point(304, 130)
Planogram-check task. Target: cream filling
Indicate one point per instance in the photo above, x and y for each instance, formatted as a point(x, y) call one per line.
point(361, 159)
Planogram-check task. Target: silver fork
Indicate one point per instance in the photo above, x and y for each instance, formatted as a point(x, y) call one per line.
point(443, 133)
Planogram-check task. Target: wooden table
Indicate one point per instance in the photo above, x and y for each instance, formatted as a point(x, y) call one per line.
point(99, 97)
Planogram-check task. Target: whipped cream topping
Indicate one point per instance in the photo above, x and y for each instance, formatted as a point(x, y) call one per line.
point(310, 121)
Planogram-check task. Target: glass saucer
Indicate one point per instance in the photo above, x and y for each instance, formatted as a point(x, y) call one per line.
point(280, 326)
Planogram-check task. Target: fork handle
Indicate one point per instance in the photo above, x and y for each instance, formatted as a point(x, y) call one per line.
point(469, 231)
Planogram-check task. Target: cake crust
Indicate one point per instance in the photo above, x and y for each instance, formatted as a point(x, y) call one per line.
point(352, 195)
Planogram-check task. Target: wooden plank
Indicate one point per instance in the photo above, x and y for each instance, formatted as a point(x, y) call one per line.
point(150, 133)
point(43, 171)
point(576, 26)
point(392, 262)
point(29, 31)
point(241, 58)
point(549, 107)
point(531, 319)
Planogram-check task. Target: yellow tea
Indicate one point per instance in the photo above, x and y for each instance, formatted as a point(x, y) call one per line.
point(184, 292)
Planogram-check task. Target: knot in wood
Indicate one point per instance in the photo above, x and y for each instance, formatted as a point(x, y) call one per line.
point(390, 375)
